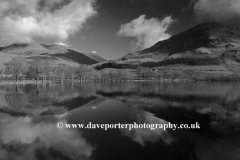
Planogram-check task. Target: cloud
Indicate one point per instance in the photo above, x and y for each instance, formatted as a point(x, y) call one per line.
point(219, 10)
point(146, 31)
point(23, 20)
point(94, 52)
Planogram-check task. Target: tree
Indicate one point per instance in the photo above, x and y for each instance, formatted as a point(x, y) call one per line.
point(158, 75)
point(121, 74)
point(97, 75)
point(85, 72)
point(71, 72)
point(17, 66)
point(104, 74)
point(128, 75)
point(45, 69)
point(112, 74)
point(125, 74)
point(165, 74)
point(38, 69)
point(1, 74)
point(144, 72)
point(61, 71)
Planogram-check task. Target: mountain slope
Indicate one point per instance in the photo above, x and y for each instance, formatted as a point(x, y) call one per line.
point(208, 47)
point(96, 57)
point(56, 54)
point(205, 39)
point(208, 35)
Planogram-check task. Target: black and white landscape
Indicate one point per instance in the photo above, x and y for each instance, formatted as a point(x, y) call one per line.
point(119, 62)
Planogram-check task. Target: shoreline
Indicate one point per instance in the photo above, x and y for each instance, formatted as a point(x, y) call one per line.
point(88, 81)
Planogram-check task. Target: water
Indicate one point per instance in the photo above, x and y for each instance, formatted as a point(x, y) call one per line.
point(29, 113)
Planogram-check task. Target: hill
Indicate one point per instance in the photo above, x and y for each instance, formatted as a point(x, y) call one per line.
point(56, 54)
point(206, 48)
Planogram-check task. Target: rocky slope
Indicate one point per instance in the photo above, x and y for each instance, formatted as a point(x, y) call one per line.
point(57, 54)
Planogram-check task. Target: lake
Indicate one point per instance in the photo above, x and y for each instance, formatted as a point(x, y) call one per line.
point(29, 114)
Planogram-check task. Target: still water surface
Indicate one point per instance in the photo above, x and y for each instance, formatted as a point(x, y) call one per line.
point(29, 113)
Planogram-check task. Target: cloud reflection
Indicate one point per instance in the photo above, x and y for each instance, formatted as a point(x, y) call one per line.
point(26, 138)
point(143, 136)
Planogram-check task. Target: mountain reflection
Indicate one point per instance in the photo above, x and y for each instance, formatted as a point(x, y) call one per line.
point(29, 113)
point(215, 105)
point(28, 138)
point(42, 99)
point(221, 149)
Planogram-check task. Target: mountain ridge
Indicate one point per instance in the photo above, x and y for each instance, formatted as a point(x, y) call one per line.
point(56, 54)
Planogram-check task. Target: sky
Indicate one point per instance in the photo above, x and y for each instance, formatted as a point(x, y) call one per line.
point(109, 28)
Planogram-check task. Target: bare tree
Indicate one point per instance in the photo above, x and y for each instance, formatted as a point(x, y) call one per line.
point(39, 69)
point(71, 72)
point(45, 69)
point(17, 66)
point(61, 71)
point(85, 72)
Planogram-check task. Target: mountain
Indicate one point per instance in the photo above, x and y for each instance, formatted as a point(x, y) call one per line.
point(57, 54)
point(207, 38)
point(207, 47)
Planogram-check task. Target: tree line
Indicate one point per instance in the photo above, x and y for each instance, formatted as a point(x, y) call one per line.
point(42, 70)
